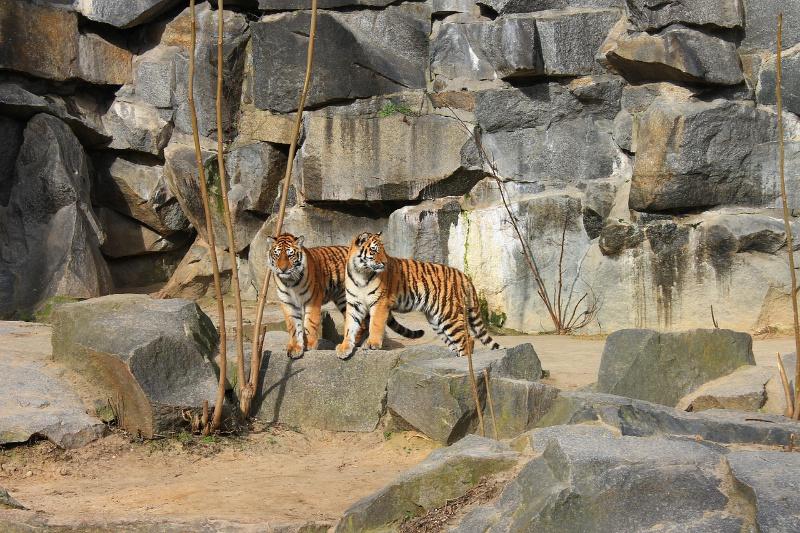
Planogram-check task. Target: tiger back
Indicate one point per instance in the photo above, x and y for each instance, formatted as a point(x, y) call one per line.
point(378, 284)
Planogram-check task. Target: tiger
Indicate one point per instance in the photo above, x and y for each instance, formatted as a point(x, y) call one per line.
point(378, 284)
point(307, 278)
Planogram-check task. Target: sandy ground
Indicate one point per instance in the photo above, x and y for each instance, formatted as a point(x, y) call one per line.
point(272, 476)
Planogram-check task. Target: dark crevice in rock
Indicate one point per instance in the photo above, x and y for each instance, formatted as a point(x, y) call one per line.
point(380, 75)
point(369, 209)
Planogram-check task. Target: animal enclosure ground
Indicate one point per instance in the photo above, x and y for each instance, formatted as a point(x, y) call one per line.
point(277, 476)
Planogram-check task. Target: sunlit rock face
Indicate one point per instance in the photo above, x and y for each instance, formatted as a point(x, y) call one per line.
point(641, 135)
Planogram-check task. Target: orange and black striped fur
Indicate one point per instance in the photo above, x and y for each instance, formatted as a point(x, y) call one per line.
point(307, 278)
point(378, 284)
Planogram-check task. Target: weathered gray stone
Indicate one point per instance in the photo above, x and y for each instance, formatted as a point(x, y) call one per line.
point(534, 106)
point(769, 480)
point(568, 152)
point(9, 150)
point(344, 158)
point(154, 76)
point(255, 171)
point(445, 474)
point(138, 190)
point(422, 231)
point(744, 232)
point(504, 7)
point(765, 90)
point(126, 237)
point(677, 54)
point(151, 357)
point(518, 405)
point(235, 36)
point(358, 54)
point(46, 43)
point(663, 367)
point(647, 15)
point(36, 403)
point(7, 502)
point(760, 19)
point(597, 482)
point(282, 5)
point(486, 50)
point(193, 278)
point(49, 235)
point(682, 161)
point(123, 14)
point(322, 391)
point(137, 126)
point(132, 273)
point(644, 419)
point(78, 112)
point(435, 397)
point(570, 39)
point(742, 390)
point(763, 170)
point(618, 236)
point(181, 176)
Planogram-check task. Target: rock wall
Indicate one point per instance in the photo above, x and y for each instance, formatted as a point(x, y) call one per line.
point(641, 136)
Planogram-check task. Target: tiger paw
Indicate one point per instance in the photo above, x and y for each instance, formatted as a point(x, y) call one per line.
point(343, 351)
point(374, 345)
point(294, 351)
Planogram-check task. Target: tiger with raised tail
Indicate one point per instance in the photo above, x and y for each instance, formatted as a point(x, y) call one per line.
point(378, 284)
point(308, 278)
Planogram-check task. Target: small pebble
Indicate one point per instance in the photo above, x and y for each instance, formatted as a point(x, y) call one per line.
point(28, 473)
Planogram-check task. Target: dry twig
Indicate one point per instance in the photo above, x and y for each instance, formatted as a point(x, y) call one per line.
point(248, 392)
point(490, 401)
point(470, 347)
point(787, 390)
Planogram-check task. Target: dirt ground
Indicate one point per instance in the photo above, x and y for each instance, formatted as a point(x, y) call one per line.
point(277, 476)
point(272, 476)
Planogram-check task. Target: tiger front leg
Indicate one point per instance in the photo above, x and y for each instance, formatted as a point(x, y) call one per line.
point(294, 326)
point(354, 318)
point(377, 325)
point(312, 323)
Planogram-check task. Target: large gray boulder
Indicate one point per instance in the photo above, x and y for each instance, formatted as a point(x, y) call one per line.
point(236, 34)
point(682, 162)
point(46, 43)
point(676, 54)
point(593, 481)
point(80, 112)
point(765, 90)
point(445, 474)
point(548, 43)
point(744, 389)
point(358, 54)
point(36, 402)
point(126, 237)
point(322, 391)
point(647, 15)
point(769, 481)
point(255, 171)
point(193, 277)
point(123, 14)
point(139, 191)
point(152, 358)
point(518, 405)
point(644, 419)
point(136, 126)
point(343, 157)
point(663, 367)
point(760, 20)
point(49, 236)
point(435, 396)
point(182, 178)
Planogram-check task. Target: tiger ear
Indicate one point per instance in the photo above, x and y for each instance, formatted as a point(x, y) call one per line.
point(270, 240)
point(361, 239)
point(379, 234)
point(299, 240)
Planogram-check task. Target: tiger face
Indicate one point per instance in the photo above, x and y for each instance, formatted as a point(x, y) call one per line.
point(286, 257)
point(371, 255)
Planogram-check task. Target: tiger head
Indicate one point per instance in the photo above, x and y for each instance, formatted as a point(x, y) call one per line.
point(367, 252)
point(286, 257)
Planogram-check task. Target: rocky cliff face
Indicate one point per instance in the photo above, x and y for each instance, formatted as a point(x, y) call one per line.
point(641, 135)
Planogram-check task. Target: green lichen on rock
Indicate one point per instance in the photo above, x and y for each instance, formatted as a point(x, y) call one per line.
point(43, 312)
